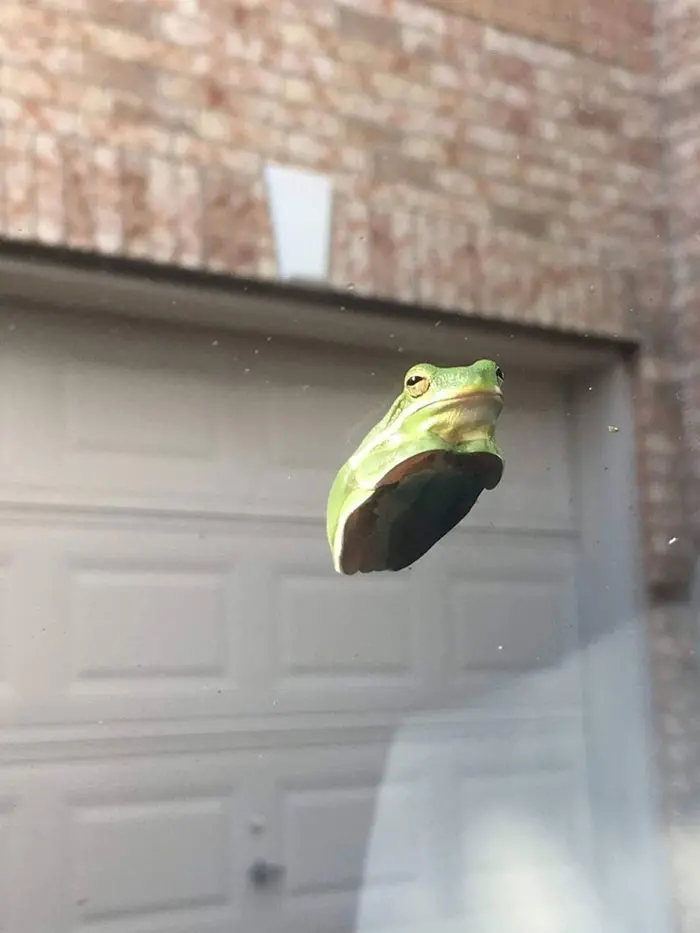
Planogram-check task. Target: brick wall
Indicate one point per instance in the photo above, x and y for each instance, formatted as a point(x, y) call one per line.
point(676, 633)
point(679, 60)
point(136, 112)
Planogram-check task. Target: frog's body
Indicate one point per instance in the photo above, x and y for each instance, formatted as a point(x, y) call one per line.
point(420, 470)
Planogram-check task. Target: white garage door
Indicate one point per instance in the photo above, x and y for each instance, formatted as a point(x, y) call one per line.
point(186, 687)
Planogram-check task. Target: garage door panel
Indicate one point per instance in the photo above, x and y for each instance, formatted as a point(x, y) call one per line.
point(529, 774)
point(168, 421)
point(26, 590)
point(324, 805)
point(526, 834)
point(508, 807)
point(11, 636)
point(133, 619)
point(313, 413)
point(537, 491)
point(111, 409)
point(152, 635)
point(126, 623)
point(14, 890)
point(497, 814)
point(87, 431)
point(509, 622)
point(339, 644)
point(161, 856)
point(152, 843)
point(139, 622)
point(183, 838)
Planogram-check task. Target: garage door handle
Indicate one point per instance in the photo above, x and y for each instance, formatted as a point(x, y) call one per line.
point(262, 873)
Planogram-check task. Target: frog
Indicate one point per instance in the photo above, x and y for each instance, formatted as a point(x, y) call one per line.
point(420, 470)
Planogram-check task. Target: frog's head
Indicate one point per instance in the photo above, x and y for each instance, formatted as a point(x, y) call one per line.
point(426, 461)
point(457, 404)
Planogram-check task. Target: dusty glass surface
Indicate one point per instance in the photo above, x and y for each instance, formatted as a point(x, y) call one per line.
point(234, 232)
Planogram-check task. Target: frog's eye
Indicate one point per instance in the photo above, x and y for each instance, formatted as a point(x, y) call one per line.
point(417, 384)
point(499, 374)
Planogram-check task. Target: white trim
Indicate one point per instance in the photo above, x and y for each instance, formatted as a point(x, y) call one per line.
point(37, 284)
point(623, 778)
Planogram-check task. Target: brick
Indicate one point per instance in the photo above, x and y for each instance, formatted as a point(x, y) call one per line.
point(392, 252)
point(528, 222)
point(368, 134)
point(596, 117)
point(108, 220)
point(185, 31)
point(234, 222)
point(446, 262)
point(131, 77)
point(645, 152)
point(511, 69)
point(19, 189)
point(162, 198)
point(390, 167)
point(351, 263)
point(371, 30)
point(49, 191)
point(516, 120)
point(108, 40)
point(78, 195)
point(616, 33)
point(137, 225)
point(129, 15)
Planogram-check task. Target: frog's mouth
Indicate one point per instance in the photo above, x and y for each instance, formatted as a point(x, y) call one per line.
point(459, 398)
point(463, 401)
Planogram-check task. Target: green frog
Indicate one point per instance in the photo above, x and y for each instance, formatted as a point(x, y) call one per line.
point(420, 470)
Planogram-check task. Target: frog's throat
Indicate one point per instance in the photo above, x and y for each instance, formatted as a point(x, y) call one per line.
point(443, 403)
